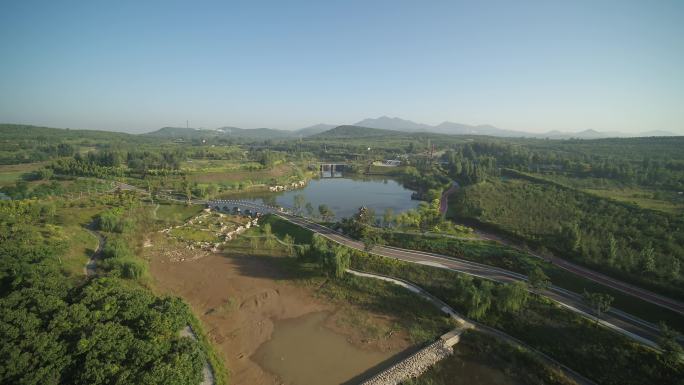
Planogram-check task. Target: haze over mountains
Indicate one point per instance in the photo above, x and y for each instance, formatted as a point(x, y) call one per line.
point(394, 124)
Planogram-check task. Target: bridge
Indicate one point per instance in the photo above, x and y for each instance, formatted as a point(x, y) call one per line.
point(331, 168)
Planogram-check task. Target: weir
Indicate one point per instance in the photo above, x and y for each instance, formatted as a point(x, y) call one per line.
point(419, 362)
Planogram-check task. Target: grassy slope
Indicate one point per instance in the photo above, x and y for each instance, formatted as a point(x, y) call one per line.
point(531, 211)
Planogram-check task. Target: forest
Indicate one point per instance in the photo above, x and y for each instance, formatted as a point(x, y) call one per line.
point(58, 329)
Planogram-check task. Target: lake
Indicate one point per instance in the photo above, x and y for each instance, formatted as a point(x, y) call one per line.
point(345, 195)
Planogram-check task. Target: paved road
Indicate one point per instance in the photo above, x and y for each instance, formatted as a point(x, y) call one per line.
point(630, 326)
point(582, 271)
point(646, 295)
point(466, 323)
point(626, 324)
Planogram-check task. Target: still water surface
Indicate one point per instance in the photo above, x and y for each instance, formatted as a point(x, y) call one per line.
point(303, 351)
point(345, 195)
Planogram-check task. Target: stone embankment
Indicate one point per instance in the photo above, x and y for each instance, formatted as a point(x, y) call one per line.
point(413, 366)
point(285, 187)
point(226, 232)
point(422, 360)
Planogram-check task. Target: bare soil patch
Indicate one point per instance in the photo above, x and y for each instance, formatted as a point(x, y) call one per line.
point(238, 298)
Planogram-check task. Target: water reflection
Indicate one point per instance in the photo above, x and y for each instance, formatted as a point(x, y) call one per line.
point(343, 196)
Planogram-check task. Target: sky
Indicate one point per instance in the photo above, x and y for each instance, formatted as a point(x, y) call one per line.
point(534, 66)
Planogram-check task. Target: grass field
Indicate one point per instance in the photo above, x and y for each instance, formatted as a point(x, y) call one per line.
point(175, 214)
point(233, 175)
point(643, 198)
point(10, 173)
point(666, 201)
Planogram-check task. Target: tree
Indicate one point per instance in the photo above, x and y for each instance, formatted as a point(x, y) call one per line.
point(371, 239)
point(212, 190)
point(254, 243)
point(537, 279)
point(299, 201)
point(336, 262)
point(672, 350)
point(289, 244)
point(326, 213)
point(309, 209)
point(388, 217)
point(511, 297)
point(364, 216)
point(648, 259)
point(479, 300)
point(599, 302)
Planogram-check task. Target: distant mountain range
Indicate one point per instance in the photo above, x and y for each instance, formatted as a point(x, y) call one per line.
point(452, 128)
point(384, 123)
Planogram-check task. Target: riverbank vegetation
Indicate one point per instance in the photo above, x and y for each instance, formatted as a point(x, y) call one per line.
point(501, 359)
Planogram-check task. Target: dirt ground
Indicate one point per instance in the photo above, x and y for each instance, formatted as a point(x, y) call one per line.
point(238, 298)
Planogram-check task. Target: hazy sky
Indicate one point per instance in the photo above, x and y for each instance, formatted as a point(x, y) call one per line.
point(524, 65)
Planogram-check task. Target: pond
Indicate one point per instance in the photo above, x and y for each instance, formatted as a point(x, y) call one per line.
point(345, 195)
point(303, 351)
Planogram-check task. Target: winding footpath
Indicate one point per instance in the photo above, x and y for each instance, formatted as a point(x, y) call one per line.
point(633, 327)
point(419, 362)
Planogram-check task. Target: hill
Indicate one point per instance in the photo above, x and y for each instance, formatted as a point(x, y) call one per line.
point(355, 132)
point(24, 131)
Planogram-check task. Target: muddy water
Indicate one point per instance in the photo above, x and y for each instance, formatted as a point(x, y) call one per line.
point(302, 351)
point(469, 372)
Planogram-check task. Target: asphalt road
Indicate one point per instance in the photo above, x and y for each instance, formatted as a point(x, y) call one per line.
point(626, 324)
point(630, 326)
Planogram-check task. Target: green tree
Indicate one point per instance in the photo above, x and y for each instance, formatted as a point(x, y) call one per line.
point(599, 302)
point(672, 349)
point(254, 243)
point(336, 262)
point(388, 217)
point(289, 244)
point(479, 300)
point(326, 213)
point(647, 257)
point(537, 279)
point(511, 297)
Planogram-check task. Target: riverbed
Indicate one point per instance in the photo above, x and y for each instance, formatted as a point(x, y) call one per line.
point(304, 351)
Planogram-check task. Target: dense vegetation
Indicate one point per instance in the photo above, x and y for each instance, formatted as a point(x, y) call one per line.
point(56, 330)
point(483, 350)
point(643, 246)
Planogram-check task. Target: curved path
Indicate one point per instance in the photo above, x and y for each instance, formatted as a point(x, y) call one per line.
point(633, 327)
point(468, 324)
point(643, 294)
point(90, 270)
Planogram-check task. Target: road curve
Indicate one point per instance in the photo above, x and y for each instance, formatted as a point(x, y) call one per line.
point(630, 326)
point(466, 323)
